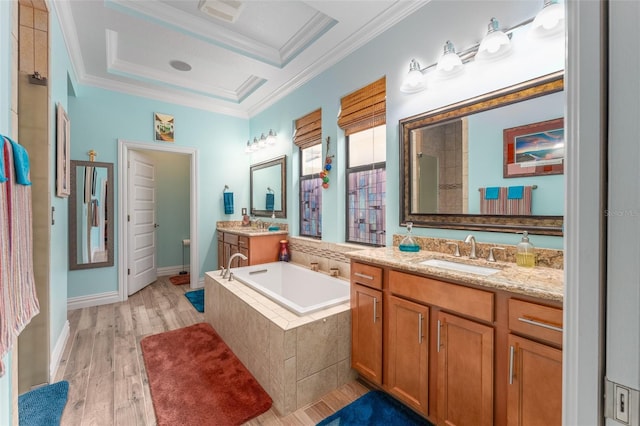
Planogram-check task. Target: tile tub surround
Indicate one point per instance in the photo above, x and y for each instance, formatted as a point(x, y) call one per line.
point(539, 282)
point(548, 258)
point(305, 251)
point(295, 359)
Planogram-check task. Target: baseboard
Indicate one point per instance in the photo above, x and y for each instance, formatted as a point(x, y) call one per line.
point(171, 270)
point(56, 354)
point(92, 300)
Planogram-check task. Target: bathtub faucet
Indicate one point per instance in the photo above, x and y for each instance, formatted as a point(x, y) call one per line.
point(228, 270)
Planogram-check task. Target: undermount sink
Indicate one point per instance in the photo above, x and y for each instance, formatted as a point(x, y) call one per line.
point(460, 267)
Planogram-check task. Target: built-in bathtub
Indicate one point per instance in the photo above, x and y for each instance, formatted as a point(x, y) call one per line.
point(298, 289)
point(296, 358)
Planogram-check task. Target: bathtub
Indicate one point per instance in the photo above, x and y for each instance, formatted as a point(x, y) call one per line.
point(297, 289)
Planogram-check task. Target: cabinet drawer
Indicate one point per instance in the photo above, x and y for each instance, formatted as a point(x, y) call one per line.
point(243, 242)
point(538, 321)
point(370, 276)
point(231, 238)
point(458, 298)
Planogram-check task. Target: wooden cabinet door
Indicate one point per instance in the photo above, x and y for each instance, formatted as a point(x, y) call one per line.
point(465, 372)
point(407, 363)
point(366, 332)
point(534, 395)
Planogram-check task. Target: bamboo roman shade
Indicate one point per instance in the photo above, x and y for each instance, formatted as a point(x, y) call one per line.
point(365, 108)
point(308, 130)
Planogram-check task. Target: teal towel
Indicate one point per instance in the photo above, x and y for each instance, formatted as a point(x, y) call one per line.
point(515, 193)
point(491, 193)
point(271, 201)
point(20, 163)
point(228, 203)
point(3, 175)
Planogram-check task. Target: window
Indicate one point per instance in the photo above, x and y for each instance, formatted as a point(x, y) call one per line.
point(363, 119)
point(308, 138)
point(366, 186)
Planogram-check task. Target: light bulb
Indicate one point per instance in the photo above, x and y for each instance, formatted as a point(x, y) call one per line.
point(449, 63)
point(414, 80)
point(549, 21)
point(495, 44)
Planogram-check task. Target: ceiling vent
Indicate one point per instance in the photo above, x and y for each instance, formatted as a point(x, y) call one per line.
point(225, 10)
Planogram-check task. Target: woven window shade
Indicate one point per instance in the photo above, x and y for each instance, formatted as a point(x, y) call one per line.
point(365, 108)
point(309, 130)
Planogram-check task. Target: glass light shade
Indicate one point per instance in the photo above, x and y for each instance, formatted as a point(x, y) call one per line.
point(449, 63)
point(549, 21)
point(271, 138)
point(262, 142)
point(414, 81)
point(248, 149)
point(495, 44)
point(255, 145)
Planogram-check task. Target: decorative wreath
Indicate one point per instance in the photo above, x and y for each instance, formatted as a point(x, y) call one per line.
point(324, 174)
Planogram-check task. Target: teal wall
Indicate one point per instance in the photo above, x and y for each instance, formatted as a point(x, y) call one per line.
point(100, 117)
point(172, 208)
point(388, 55)
point(6, 409)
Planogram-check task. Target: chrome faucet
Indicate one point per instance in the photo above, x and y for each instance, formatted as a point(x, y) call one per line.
point(228, 270)
point(471, 239)
point(259, 223)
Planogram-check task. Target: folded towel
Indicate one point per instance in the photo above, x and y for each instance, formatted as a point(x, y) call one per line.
point(271, 201)
point(3, 175)
point(228, 203)
point(491, 193)
point(20, 163)
point(515, 192)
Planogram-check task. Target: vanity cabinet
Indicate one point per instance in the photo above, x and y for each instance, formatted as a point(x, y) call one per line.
point(408, 354)
point(261, 248)
point(534, 393)
point(366, 322)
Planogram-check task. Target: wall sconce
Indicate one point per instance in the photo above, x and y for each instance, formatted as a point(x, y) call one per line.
point(496, 44)
point(549, 21)
point(262, 142)
point(449, 63)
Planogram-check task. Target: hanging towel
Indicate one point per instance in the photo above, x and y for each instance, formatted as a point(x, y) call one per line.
point(3, 174)
point(20, 162)
point(271, 201)
point(491, 193)
point(228, 203)
point(515, 192)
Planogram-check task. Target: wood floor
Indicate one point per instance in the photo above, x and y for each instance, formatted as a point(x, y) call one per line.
point(103, 363)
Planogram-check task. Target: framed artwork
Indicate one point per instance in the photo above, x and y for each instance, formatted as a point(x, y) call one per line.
point(163, 127)
point(534, 149)
point(63, 152)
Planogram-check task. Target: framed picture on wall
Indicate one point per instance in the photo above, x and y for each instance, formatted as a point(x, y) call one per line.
point(534, 149)
point(63, 152)
point(163, 127)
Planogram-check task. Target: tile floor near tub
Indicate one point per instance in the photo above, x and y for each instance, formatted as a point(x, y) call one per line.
point(295, 359)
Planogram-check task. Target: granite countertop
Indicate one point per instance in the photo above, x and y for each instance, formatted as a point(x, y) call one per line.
point(540, 282)
point(248, 231)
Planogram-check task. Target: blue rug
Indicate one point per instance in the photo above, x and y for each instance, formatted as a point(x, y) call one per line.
point(374, 408)
point(196, 297)
point(43, 406)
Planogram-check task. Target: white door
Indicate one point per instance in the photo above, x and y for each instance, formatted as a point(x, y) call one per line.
point(142, 222)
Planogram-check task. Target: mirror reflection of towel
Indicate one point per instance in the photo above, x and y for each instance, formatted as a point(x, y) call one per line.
point(228, 203)
point(271, 201)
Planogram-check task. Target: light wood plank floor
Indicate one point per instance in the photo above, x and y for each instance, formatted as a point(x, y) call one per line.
point(103, 363)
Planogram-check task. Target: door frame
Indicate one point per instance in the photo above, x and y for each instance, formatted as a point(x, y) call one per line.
point(124, 146)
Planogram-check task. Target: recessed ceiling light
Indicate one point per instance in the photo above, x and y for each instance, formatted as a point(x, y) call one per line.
point(225, 10)
point(180, 65)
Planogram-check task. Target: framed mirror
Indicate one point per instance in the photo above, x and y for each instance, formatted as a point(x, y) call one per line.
point(268, 188)
point(454, 162)
point(91, 215)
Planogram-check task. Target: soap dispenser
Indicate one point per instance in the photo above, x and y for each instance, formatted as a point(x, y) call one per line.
point(525, 252)
point(408, 243)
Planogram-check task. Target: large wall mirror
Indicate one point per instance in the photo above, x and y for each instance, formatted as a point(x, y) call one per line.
point(461, 162)
point(91, 215)
point(268, 188)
